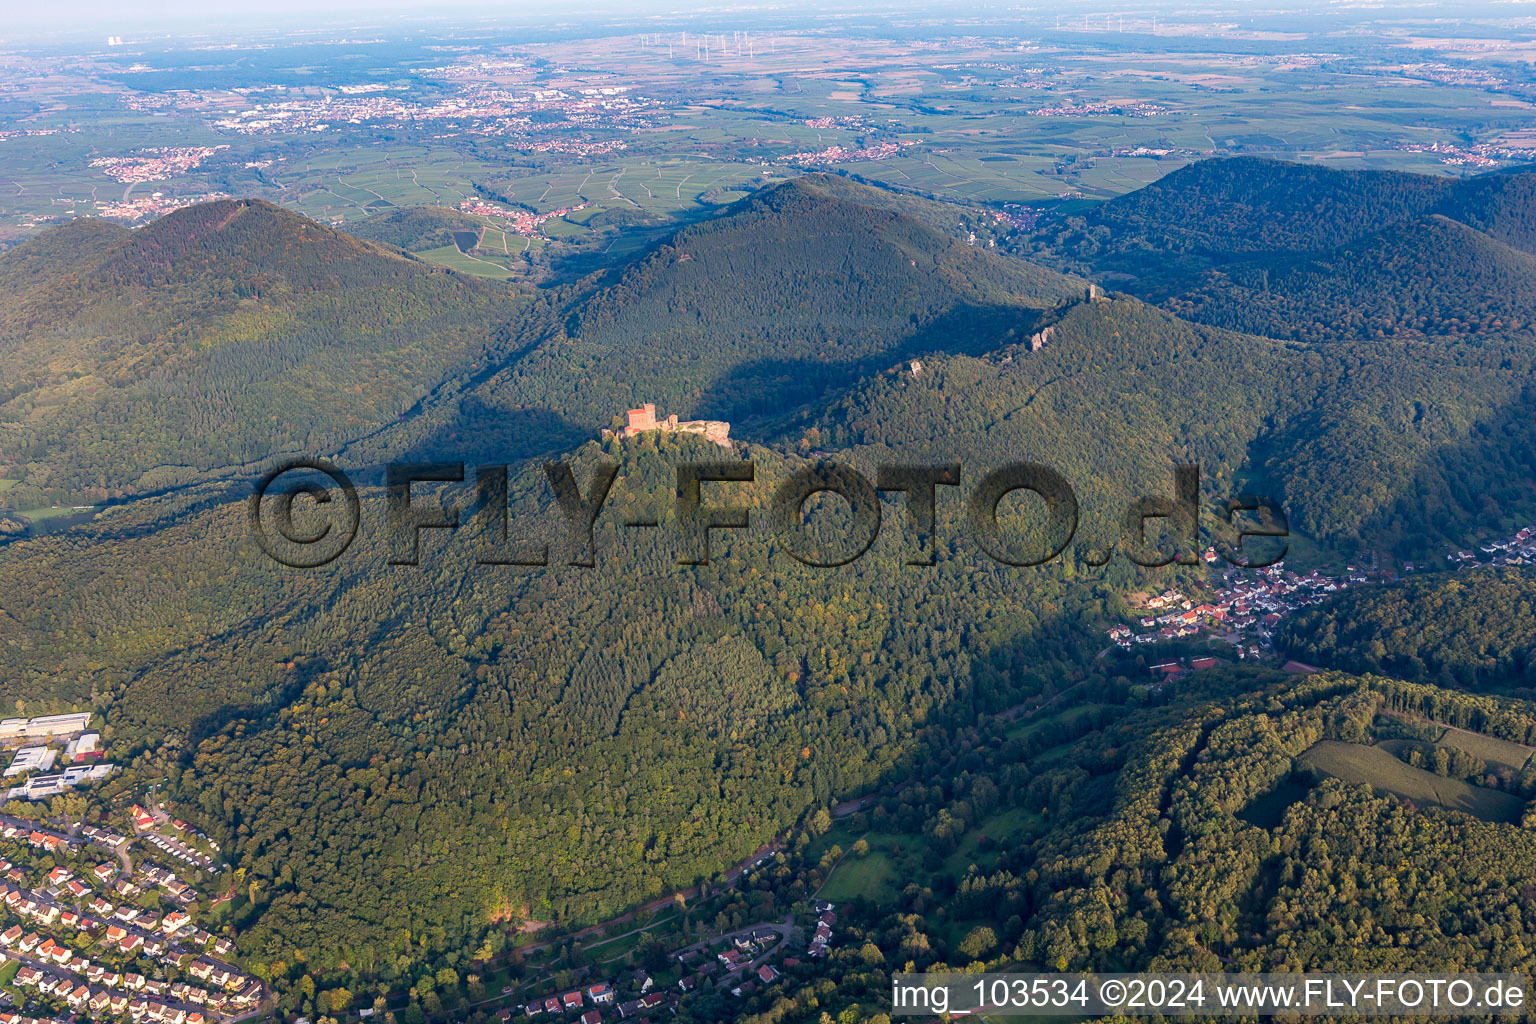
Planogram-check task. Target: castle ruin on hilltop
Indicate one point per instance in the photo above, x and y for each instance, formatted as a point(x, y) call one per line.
point(643, 420)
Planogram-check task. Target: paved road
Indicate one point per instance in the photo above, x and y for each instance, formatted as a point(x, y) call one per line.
point(175, 948)
point(780, 928)
point(178, 949)
point(79, 979)
point(731, 875)
point(747, 970)
point(73, 835)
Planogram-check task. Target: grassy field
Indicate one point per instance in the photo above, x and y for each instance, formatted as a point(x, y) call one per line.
point(1496, 753)
point(1398, 746)
point(840, 835)
point(873, 877)
point(1050, 756)
point(998, 828)
point(1353, 762)
point(622, 943)
point(1067, 717)
point(880, 873)
point(38, 515)
point(477, 263)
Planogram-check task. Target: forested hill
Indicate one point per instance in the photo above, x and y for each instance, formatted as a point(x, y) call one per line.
point(786, 297)
point(1118, 393)
point(1474, 630)
point(1426, 277)
point(1389, 443)
point(792, 291)
point(37, 260)
point(589, 738)
point(1502, 205)
point(1247, 243)
point(415, 228)
point(216, 336)
point(1212, 210)
point(1251, 823)
point(570, 741)
point(226, 333)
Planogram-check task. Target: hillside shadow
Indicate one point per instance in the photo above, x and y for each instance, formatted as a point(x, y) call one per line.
point(773, 396)
point(567, 265)
point(258, 713)
point(479, 432)
point(1466, 492)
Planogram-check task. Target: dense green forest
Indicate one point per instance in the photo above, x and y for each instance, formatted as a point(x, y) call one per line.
point(1426, 278)
point(789, 295)
point(1403, 440)
point(216, 337)
point(785, 315)
point(1359, 441)
point(1392, 443)
point(407, 763)
point(1181, 832)
point(1211, 211)
point(224, 334)
point(334, 728)
point(1296, 251)
point(1214, 211)
point(1475, 630)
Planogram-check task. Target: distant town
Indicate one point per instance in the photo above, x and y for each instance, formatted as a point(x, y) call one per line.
point(921, 120)
point(1248, 605)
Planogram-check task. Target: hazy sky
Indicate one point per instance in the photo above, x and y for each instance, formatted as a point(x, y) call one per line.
point(160, 10)
point(70, 19)
point(104, 17)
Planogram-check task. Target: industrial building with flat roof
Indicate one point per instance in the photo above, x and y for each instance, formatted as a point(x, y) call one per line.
point(40, 786)
point(85, 743)
point(32, 759)
point(44, 728)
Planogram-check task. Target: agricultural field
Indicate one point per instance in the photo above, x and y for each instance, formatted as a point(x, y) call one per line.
point(474, 262)
point(1380, 769)
point(1046, 116)
point(346, 185)
point(1496, 753)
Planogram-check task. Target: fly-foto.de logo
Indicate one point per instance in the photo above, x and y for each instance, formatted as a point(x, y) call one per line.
point(306, 513)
